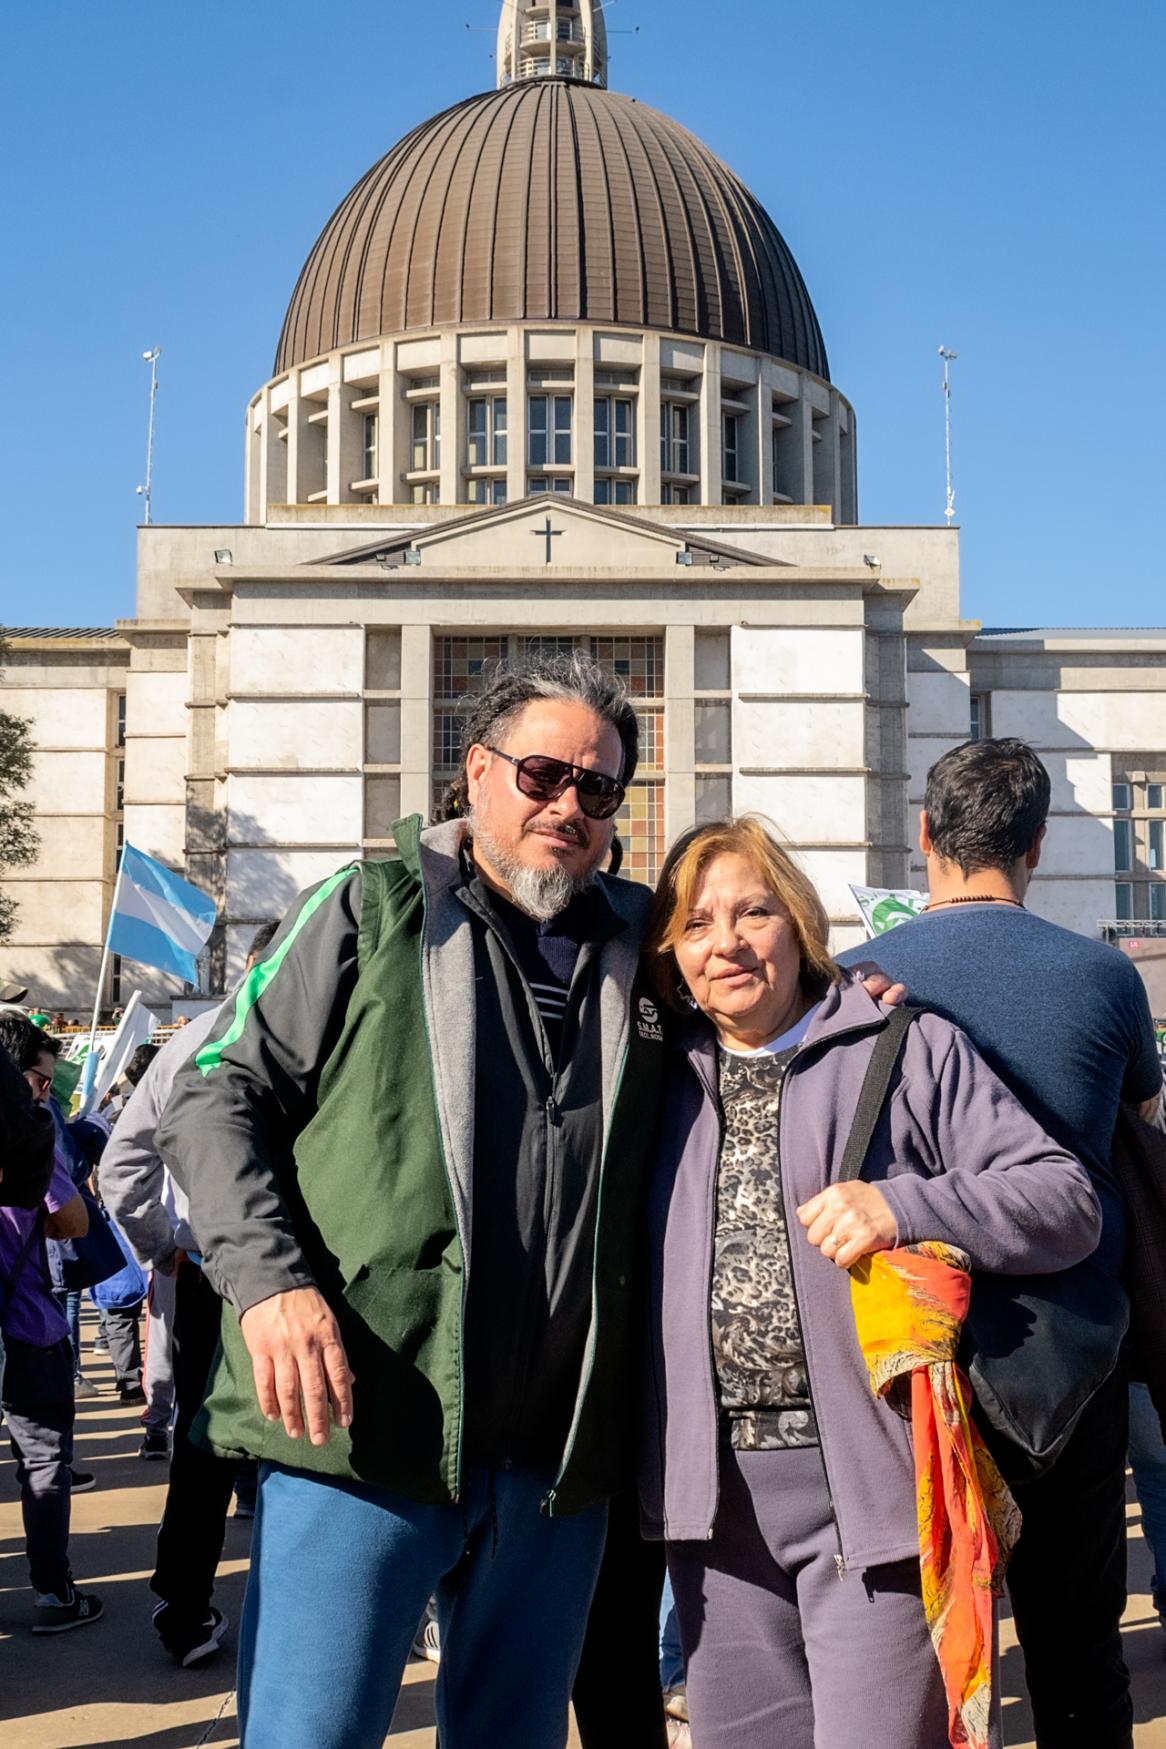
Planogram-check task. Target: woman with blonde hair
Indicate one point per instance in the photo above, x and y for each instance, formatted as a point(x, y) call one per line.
point(834, 1563)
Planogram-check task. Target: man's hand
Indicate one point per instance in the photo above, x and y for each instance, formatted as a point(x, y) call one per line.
point(878, 986)
point(848, 1221)
point(301, 1369)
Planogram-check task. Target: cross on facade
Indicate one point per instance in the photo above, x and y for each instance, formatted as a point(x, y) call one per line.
point(547, 533)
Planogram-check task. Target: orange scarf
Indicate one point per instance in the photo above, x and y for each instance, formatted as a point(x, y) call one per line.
point(909, 1308)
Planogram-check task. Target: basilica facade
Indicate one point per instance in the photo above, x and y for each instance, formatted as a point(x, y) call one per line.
point(551, 376)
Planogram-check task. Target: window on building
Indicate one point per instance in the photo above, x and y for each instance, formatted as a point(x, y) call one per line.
point(711, 655)
point(1122, 798)
point(1158, 901)
point(1154, 797)
point(675, 454)
point(714, 797)
point(382, 734)
point(121, 720)
point(486, 432)
point(714, 738)
point(425, 494)
point(615, 491)
point(731, 447)
point(615, 432)
point(368, 446)
point(1123, 845)
point(671, 494)
point(486, 492)
point(549, 430)
point(555, 483)
point(119, 796)
point(425, 450)
point(1124, 902)
point(1156, 832)
point(981, 718)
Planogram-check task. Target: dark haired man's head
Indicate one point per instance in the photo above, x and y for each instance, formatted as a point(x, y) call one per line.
point(140, 1062)
point(24, 1042)
point(985, 808)
point(261, 941)
point(537, 847)
point(32, 1050)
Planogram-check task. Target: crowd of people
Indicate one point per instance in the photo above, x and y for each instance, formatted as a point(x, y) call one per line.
point(575, 1279)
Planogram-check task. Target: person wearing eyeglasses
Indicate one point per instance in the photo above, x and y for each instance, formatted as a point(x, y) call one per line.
point(413, 1146)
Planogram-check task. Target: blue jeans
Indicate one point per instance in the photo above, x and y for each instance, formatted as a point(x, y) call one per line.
point(1148, 1462)
point(671, 1651)
point(340, 1574)
point(69, 1300)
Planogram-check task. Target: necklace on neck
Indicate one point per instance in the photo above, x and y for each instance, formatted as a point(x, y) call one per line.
point(975, 899)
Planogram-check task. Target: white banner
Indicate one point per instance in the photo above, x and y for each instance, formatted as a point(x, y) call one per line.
point(885, 908)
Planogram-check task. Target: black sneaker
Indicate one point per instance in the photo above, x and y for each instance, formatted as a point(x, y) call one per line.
point(189, 1642)
point(83, 1480)
point(53, 1617)
point(131, 1394)
point(156, 1444)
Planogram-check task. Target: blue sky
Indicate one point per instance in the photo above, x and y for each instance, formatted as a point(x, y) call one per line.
point(983, 174)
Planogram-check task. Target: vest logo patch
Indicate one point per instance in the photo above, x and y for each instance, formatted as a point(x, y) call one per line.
point(648, 1025)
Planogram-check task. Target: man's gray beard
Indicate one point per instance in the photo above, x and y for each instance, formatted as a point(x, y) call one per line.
point(541, 892)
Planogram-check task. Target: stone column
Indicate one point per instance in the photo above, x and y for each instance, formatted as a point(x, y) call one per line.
point(709, 422)
point(515, 414)
point(453, 436)
point(416, 720)
point(648, 421)
point(584, 421)
point(679, 730)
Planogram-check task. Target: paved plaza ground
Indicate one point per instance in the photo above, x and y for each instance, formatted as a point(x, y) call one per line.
point(111, 1685)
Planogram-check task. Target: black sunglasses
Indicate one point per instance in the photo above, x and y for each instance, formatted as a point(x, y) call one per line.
point(544, 779)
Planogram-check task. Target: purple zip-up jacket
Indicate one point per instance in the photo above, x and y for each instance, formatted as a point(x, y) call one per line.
point(957, 1158)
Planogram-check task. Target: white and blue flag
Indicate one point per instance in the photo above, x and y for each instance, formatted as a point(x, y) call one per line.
point(158, 918)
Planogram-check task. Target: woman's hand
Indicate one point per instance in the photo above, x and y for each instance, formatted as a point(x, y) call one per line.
point(848, 1221)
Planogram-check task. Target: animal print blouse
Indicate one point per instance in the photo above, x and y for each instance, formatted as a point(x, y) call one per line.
point(756, 1332)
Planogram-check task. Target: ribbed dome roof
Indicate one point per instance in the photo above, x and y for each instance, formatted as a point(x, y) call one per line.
point(552, 200)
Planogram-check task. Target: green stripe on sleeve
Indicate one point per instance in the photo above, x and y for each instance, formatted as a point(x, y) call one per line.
point(261, 975)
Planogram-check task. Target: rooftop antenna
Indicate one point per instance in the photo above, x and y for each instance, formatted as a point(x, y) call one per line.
point(947, 357)
point(145, 491)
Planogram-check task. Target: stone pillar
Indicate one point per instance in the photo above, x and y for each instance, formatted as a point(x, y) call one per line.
point(648, 421)
point(388, 432)
point(299, 436)
point(273, 462)
point(416, 720)
point(709, 422)
point(584, 421)
point(453, 436)
point(679, 730)
point(515, 414)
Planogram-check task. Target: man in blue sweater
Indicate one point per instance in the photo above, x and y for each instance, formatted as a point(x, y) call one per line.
point(1065, 1023)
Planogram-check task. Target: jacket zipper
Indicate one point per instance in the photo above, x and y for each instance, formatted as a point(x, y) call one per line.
point(547, 1504)
point(714, 1095)
point(456, 1490)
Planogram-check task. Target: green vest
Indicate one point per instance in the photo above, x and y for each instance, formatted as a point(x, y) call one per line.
point(370, 1193)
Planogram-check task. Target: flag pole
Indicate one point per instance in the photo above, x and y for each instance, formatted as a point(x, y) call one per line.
point(88, 1072)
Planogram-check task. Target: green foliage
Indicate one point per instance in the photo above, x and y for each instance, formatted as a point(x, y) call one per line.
point(18, 838)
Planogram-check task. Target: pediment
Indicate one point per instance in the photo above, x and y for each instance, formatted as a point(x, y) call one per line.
point(551, 532)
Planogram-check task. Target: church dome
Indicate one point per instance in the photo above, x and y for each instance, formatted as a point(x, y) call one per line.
point(552, 200)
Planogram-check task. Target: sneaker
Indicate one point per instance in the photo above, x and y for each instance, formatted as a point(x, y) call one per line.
point(83, 1387)
point(83, 1481)
point(51, 1616)
point(127, 1394)
point(189, 1643)
point(428, 1642)
point(244, 1508)
point(100, 1344)
point(155, 1444)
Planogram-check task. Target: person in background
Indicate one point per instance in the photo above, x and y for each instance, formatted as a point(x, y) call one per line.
point(153, 1213)
point(1065, 1023)
point(37, 1390)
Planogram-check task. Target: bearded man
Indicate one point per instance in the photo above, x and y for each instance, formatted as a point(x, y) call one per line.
point(414, 1149)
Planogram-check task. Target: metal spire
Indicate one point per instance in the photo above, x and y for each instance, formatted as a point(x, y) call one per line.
point(567, 39)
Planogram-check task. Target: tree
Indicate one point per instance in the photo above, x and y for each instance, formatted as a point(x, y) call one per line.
point(18, 837)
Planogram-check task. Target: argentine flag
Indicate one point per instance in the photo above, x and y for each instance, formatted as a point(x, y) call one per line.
point(158, 919)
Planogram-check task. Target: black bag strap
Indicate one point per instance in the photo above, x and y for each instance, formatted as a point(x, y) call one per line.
point(887, 1051)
